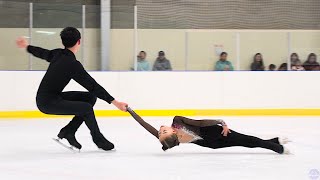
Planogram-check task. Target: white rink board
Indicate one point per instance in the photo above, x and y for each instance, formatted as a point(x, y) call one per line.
point(180, 90)
point(29, 152)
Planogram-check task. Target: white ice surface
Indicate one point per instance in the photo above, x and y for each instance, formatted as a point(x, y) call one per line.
point(28, 152)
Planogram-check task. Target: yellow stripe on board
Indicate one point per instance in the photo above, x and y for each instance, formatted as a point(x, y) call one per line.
point(188, 112)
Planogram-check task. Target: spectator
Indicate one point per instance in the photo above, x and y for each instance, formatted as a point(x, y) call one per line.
point(311, 63)
point(272, 67)
point(297, 66)
point(223, 64)
point(142, 64)
point(162, 63)
point(283, 67)
point(257, 64)
point(294, 58)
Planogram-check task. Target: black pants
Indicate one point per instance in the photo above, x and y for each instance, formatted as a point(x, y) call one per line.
point(213, 138)
point(79, 104)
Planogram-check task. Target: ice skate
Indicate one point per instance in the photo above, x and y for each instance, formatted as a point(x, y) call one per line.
point(73, 143)
point(103, 143)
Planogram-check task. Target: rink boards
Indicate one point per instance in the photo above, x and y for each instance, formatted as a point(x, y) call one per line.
point(185, 93)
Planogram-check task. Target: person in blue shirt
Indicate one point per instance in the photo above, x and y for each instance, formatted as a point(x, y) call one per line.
point(142, 64)
point(223, 64)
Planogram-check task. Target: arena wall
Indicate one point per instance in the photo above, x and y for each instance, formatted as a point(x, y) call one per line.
point(180, 93)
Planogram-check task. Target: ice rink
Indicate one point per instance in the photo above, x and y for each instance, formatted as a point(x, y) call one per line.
point(28, 152)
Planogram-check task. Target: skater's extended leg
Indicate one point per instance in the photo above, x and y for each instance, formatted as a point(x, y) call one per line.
point(238, 139)
point(274, 140)
point(214, 139)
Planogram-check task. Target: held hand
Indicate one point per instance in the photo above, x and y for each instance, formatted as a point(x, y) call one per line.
point(120, 105)
point(22, 42)
point(225, 130)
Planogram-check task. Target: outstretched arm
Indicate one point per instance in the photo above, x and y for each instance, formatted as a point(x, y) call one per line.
point(41, 53)
point(198, 123)
point(36, 51)
point(144, 124)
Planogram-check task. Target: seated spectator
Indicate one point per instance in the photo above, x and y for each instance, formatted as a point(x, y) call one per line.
point(297, 66)
point(294, 58)
point(142, 64)
point(311, 63)
point(257, 64)
point(272, 67)
point(283, 67)
point(162, 63)
point(223, 64)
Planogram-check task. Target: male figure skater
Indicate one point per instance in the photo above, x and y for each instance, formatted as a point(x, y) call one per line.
point(50, 98)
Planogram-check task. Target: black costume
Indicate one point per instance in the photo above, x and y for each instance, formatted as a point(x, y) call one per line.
point(209, 135)
point(51, 100)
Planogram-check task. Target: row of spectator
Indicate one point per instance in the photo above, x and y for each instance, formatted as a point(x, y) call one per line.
point(310, 64)
point(257, 64)
point(163, 64)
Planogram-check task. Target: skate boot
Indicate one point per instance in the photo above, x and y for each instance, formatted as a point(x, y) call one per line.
point(70, 137)
point(102, 142)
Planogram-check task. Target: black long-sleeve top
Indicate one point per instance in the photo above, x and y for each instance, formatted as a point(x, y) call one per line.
point(257, 66)
point(64, 67)
point(179, 122)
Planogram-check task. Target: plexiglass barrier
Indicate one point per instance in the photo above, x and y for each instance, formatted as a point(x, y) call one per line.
point(142, 40)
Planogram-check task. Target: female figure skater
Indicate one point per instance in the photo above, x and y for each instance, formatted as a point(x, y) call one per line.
point(207, 133)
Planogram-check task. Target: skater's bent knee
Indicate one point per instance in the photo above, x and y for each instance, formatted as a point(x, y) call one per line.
point(93, 99)
point(43, 110)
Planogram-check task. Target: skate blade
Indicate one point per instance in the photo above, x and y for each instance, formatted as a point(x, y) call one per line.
point(71, 148)
point(107, 151)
